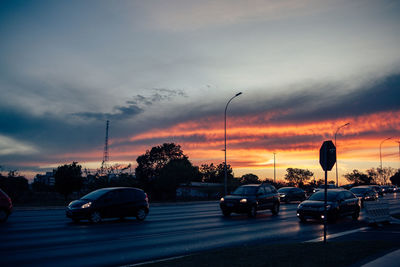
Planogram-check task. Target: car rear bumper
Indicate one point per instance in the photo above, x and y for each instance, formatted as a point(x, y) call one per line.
point(235, 207)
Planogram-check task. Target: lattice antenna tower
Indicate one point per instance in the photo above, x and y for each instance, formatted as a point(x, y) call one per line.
point(105, 153)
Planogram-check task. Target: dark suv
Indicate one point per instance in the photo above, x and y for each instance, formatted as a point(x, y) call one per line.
point(5, 206)
point(340, 202)
point(116, 202)
point(251, 198)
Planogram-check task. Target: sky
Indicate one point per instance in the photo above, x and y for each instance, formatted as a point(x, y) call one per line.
point(163, 71)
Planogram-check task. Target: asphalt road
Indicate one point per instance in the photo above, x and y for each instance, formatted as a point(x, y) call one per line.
point(47, 238)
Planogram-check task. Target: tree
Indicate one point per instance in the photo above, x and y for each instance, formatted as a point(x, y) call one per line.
point(249, 179)
point(297, 176)
point(176, 172)
point(151, 163)
point(395, 179)
point(14, 185)
point(358, 178)
point(216, 174)
point(208, 172)
point(384, 174)
point(68, 178)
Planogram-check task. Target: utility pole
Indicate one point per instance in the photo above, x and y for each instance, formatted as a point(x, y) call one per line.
point(399, 152)
point(274, 170)
point(105, 153)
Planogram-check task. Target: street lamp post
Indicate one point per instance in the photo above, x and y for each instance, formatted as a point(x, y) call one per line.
point(399, 152)
point(274, 170)
point(380, 149)
point(380, 153)
point(226, 174)
point(337, 179)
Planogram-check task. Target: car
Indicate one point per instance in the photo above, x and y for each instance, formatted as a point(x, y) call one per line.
point(6, 206)
point(394, 188)
point(288, 194)
point(364, 193)
point(340, 202)
point(378, 189)
point(250, 199)
point(322, 187)
point(385, 189)
point(113, 202)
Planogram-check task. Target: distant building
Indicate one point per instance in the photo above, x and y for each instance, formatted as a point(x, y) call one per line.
point(46, 179)
point(198, 190)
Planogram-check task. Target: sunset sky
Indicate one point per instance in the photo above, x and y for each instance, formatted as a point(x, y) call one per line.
point(163, 71)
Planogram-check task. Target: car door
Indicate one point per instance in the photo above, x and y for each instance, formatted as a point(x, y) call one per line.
point(270, 192)
point(111, 204)
point(342, 203)
point(261, 198)
point(351, 202)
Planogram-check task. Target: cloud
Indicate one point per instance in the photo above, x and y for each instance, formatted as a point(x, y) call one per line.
point(10, 146)
point(120, 113)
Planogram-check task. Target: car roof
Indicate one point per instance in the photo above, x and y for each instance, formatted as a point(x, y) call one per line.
point(361, 186)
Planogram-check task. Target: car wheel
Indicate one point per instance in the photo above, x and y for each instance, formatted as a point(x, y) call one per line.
point(95, 217)
point(3, 215)
point(252, 212)
point(141, 214)
point(226, 213)
point(275, 208)
point(356, 215)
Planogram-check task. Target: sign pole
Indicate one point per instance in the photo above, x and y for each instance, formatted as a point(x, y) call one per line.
point(325, 203)
point(327, 158)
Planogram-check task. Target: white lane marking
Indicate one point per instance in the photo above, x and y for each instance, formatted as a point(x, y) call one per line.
point(156, 261)
point(319, 239)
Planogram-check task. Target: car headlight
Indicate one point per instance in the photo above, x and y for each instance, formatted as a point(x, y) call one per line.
point(86, 205)
point(283, 195)
point(222, 199)
point(243, 200)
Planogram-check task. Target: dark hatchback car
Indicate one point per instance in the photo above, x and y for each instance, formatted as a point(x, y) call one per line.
point(5, 206)
point(364, 193)
point(340, 202)
point(288, 194)
point(116, 202)
point(250, 199)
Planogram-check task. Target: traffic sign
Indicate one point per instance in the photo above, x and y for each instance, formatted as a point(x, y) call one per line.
point(327, 155)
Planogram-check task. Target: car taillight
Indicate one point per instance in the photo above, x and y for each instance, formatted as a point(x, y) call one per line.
point(147, 199)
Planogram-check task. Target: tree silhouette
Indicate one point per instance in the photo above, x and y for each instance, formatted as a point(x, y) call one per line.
point(249, 179)
point(68, 178)
point(298, 176)
point(150, 164)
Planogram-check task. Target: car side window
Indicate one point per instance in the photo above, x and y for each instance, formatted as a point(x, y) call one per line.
point(261, 191)
point(340, 196)
point(128, 195)
point(348, 195)
point(268, 189)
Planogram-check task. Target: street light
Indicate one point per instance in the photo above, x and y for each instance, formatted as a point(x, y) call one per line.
point(226, 174)
point(337, 179)
point(399, 152)
point(274, 170)
point(380, 149)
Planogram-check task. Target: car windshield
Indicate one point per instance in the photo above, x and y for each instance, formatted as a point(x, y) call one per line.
point(320, 196)
point(359, 190)
point(95, 194)
point(245, 191)
point(284, 189)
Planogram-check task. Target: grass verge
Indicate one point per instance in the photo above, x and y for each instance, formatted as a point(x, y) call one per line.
point(299, 254)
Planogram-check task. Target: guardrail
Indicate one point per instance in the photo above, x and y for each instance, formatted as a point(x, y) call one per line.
point(377, 211)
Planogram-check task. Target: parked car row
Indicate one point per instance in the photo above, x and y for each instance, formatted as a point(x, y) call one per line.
point(249, 199)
